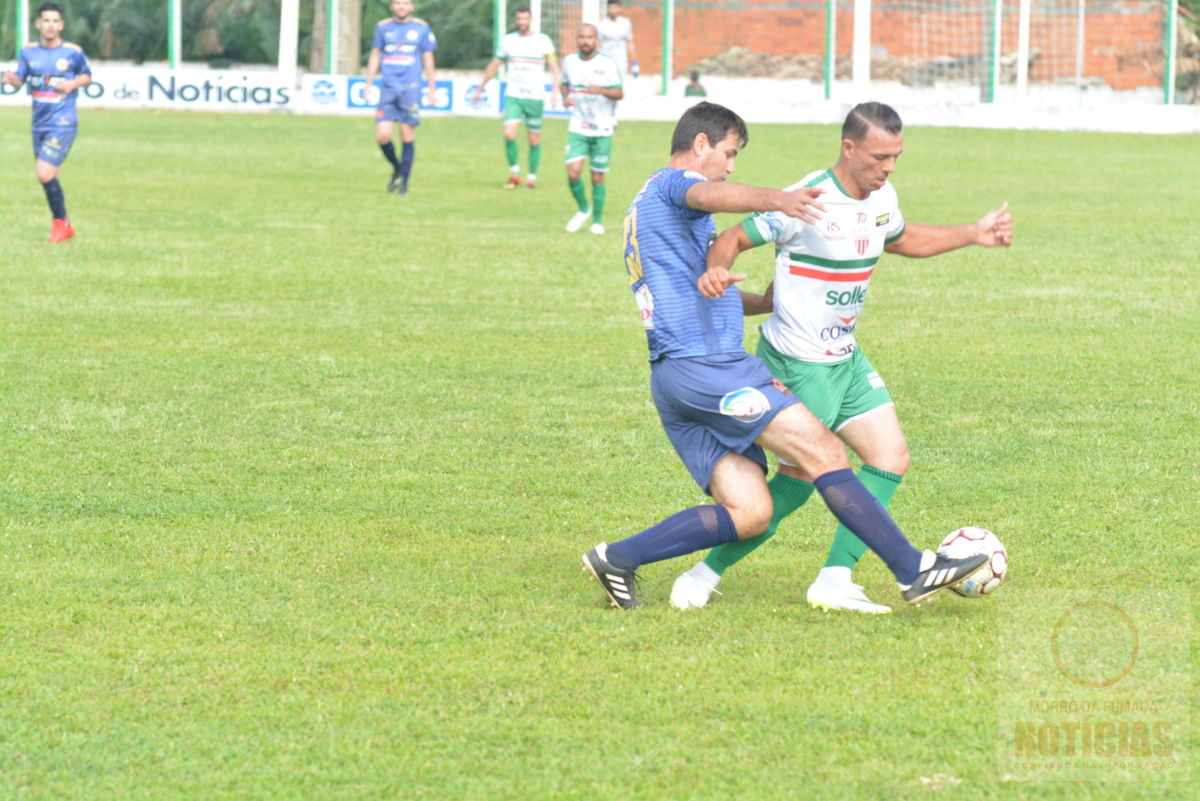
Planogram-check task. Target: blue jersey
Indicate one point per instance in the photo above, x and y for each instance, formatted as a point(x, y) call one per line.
point(666, 245)
point(400, 46)
point(42, 68)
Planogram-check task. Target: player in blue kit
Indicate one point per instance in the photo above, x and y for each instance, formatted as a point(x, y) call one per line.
point(719, 404)
point(53, 70)
point(403, 49)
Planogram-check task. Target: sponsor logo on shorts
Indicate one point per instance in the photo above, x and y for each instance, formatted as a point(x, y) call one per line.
point(875, 380)
point(746, 404)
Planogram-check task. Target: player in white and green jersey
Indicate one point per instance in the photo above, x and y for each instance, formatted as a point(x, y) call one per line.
point(822, 273)
point(591, 86)
point(525, 55)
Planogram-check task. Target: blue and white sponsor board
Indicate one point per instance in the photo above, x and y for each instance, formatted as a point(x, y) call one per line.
point(345, 94)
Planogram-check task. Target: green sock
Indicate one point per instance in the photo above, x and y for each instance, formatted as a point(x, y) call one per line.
point(599, 193)
point(847, 549)
point(535, 158)
point(510, 152)
point(788, 495)
point(578, 192)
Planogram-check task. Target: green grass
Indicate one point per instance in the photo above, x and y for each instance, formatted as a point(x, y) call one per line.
point(294, 475)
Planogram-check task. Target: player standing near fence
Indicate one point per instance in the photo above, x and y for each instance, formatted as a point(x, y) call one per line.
point(53, 69)
point(616, 39)
point(403, 49)
point(525, 55)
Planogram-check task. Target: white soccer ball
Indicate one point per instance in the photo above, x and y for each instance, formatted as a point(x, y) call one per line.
point(972, 540)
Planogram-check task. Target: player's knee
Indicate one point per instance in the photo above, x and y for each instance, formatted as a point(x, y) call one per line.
point(751, 519)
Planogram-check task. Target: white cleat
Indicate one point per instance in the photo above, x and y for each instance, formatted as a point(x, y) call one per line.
point(597, 228)
point(843, 596)
point(576, 222)
point(693, 589)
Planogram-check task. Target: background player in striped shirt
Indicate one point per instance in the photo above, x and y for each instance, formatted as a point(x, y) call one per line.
point(403, 49)
point(54, 70)
point(525, 55)
point(719, 404)
point(591, 86)
point(821, 277)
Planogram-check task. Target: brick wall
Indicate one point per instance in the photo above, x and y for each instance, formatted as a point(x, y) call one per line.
point(1123, 43)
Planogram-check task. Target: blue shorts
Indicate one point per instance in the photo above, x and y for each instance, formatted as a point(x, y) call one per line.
point(714, 405)
point(54, 145)
point(399, 105)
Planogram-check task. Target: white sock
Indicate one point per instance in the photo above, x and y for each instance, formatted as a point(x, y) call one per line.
point(833, 577)
point(702, 572)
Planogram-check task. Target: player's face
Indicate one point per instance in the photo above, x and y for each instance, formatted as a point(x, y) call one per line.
point(524, 20)
point(49, 25)
point(873, 159)
point(402, 9)
point(587, 41)
point(716, 163)
point(614, 10)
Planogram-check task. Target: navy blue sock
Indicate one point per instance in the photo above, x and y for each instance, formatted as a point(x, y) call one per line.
point(389, 153)
point(858, 510)
point(693, 529)
point(406, 159)
point(54, 196)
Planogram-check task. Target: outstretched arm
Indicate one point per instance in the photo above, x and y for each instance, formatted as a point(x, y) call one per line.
point(722, 196)
point(994, 229)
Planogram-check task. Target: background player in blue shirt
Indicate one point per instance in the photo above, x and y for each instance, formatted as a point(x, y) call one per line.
point(53, 70)
point(720, 405)
point(403, 48)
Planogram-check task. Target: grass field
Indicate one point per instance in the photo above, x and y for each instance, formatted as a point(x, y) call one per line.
point(295, 475)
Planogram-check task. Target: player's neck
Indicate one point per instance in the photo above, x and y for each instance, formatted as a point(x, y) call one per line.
point(846, 181)
point(589, 57)
point(50, 43)
point(401, 19)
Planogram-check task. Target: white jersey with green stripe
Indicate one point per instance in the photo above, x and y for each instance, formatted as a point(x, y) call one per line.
point(822, 269)
point(525, 64)
point(592, 115)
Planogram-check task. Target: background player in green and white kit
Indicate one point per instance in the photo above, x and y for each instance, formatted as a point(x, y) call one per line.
point(525, 55)
point(591, 87)
point(821, 275)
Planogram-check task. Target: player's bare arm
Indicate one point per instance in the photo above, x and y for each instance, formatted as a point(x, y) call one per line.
point(66, 87)
point(721, 255)
point(555, 75)
point(488, 74)
point(428, 66)
point(613, 93)
point(920, 240)
point(722, 196)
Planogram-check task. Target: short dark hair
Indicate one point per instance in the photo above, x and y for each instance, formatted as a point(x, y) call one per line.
point(521, 10)
point(48, 7)
point(865, 115)
point(714, 121)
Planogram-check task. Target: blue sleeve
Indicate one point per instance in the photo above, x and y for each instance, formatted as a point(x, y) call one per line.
point(23, 66)
point(81, 65)
point(676, 187)
point(430, 41)
point(377, 39)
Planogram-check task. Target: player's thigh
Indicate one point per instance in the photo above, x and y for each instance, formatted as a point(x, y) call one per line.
point(44, 170)
point(50, 150)
point(878, 439)
point(799, 437)
point(574, 154)
point(738, 484)
point(383, 130)
point(408, 133)
point(599, 156)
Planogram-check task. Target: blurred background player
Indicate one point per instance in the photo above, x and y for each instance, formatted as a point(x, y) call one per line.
point(821, 276)
point(616, 39)
point(525, 55)
point(694, 87)
point(53, 69)
point(591, 87)
point(403, 48)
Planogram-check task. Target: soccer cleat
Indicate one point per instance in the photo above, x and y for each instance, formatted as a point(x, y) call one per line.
point(576, 222)
point(596, 228)
point(394, 184)
point(514, 181)
point(403, 189)
point(843, 596)
point(938, 571)
point(531, 182)
point(61, 231)
point(693, 588)
point(617, 582)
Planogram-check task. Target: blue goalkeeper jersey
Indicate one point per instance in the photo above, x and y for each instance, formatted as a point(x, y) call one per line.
point(666, 245)
point(401, 45)
point(41, 68)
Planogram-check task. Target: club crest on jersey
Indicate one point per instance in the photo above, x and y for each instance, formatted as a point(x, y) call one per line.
point(860, 244)
point(746, 404)
point(61, 65)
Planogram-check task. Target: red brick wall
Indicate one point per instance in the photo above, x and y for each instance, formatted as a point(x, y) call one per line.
point(1123, 43)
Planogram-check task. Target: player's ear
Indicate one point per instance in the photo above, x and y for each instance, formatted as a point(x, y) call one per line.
point(700, 142)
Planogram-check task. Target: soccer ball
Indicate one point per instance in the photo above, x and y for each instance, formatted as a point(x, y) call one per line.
point(972, 540)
